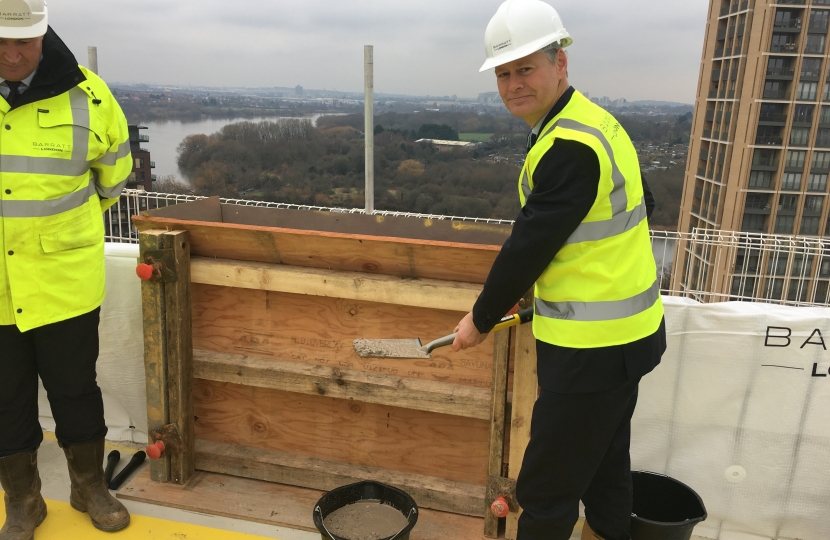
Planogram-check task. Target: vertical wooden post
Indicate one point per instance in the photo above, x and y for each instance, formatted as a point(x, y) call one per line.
point(155, 352)
point(180, 356)
point(525, 392)
point(168, 352)
point(501, 354)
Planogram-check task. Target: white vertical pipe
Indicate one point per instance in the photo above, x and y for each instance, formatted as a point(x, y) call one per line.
point(92, 53)
point(369, 128)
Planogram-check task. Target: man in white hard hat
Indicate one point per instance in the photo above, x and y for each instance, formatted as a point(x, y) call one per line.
point(582, 238)
point(64, 157)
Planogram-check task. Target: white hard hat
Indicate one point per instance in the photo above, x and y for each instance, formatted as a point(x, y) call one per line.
point(520, 28)
point(23, 19)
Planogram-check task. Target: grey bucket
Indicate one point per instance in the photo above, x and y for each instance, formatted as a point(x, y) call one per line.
point(361, 491)
point(664, 508)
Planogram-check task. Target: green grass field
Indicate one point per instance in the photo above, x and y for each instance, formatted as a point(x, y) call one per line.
point(475, 137)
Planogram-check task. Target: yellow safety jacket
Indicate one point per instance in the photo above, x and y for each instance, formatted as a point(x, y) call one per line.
point(63, 160)
point(601, 289)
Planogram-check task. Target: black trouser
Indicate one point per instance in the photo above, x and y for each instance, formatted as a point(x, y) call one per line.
point(63, 354)
point(578, 450)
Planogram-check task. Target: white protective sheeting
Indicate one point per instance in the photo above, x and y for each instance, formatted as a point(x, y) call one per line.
point(121, 360)
point(735, 410)
point(743, 417)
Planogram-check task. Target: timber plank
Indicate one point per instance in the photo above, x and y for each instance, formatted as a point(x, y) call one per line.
point(426, 293)
point(347, 431)
point(525, 391)
point(274, 504)
point(320, 330)
point(179, 342)
point(451, 261)
point(501, 355)
point(155, 352)
point(422, 395)
point(274, 466)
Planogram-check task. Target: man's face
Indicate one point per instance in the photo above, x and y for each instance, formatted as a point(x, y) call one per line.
point(531, 85)
point(19, 57)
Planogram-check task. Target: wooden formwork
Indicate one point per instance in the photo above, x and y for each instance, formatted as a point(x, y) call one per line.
point(251, 372)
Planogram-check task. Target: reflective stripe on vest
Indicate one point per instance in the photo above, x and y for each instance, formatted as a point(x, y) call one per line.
point(621, 220)
point(599, 311)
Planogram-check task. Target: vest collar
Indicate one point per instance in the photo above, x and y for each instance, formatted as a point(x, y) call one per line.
point(557, 108)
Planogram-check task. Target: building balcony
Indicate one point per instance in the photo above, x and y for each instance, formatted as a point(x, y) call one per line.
point(153, 177)
point(707, 133)
point(814, 49)
point(721, 34)
point(773, 167)
point(781, 73)
point(791, 48)
point(817, 28)
point(152, 164)
point(143, 138)
point(794, 2)
point(810, 76)
point(790, 25)
point(776, 94)
point(719, 53)
point(769, 140)
point(773, 118)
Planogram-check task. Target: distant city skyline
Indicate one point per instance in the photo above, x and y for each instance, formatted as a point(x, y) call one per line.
point(649, 48)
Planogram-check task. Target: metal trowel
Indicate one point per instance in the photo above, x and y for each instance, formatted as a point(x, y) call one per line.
point(413, 348)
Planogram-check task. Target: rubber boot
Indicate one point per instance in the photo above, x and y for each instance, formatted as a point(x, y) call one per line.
point(89, 493)
point(25, 507)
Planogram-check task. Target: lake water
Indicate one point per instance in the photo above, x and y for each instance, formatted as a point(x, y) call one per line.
point(165, 137)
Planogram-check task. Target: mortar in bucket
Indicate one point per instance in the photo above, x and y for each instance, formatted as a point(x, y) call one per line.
point(664, 508)
point(342, 497)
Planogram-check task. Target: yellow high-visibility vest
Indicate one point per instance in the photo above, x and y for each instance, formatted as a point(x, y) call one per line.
point(601, 289)
point(63, 160)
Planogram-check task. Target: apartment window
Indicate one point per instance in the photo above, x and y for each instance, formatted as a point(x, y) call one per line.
point(746, 262)
point(811, 67)
point(769, 135)
point(774, 90)
point(813, 204)
point(826, 92)
point(783, 43)
point(754, 223)
point(784, 224)
point(816, 182)
point(806, 91)
point(795, 159)
point(801, 267)
point(777, 264)
point(798, 290)
point(799, 136)
point(787, 203)
point(757, 201)
point(774, 288)
point(818, 19)
point(823, 138)
point(815, 44)
point(779, 66)
point(765, 158)
point(824, 115)
point(761, 179)
point(821, 160)
point(791, 182)
point(742, 286)
point(803, 114)
point(809, 226)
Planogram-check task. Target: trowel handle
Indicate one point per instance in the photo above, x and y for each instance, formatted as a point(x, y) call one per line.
point(440, 342)
point(523, 316)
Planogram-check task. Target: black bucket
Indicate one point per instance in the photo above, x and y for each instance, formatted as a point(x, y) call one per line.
point(664, 509)
point(362, 491)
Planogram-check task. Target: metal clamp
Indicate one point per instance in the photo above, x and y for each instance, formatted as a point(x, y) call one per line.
point(163, 262)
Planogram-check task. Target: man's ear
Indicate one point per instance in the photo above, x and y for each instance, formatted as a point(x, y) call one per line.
point(562, 62)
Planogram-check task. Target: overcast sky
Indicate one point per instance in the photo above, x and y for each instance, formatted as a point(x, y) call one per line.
point(636, 49)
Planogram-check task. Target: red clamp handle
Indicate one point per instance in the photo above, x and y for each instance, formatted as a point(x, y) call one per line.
point(144, 271)
point(500, 507)
point(155, 450)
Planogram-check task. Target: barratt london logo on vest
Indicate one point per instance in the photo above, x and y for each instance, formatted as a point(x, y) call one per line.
point(803, 347)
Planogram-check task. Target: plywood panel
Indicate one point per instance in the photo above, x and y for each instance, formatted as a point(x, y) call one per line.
point(347, 431)
point(319, 330)
point(359, 253)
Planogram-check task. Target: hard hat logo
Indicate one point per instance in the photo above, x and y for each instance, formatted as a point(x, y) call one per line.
point(22, 19)
point(520, 28)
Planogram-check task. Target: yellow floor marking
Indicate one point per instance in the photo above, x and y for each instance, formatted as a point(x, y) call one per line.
point(124, 448)
point(65, 523)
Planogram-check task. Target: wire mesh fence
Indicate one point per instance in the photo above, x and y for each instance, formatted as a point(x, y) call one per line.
point(707, 266)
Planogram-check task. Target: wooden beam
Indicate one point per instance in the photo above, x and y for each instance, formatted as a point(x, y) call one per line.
point(501, 354)
point(426, 293)
point(155, 352)
point(408, 393)
point(179, 345)
point(294, 470)
point(406, 257)
point(525, 391)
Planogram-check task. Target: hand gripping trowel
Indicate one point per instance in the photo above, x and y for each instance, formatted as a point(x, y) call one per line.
point(412, 348)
